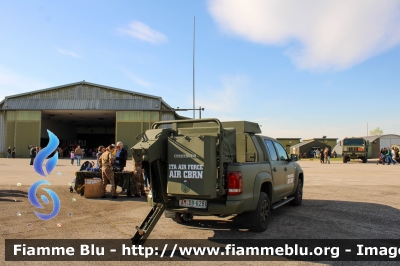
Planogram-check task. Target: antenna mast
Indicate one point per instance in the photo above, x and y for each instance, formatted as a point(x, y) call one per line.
point(194, 39)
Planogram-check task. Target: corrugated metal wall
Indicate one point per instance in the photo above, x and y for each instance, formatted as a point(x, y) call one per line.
point(26, 133)
point(166, 116)
point(126, 116)
point(28, 116)
point(11, 115)
point(23, 129)
point(2, 133)
point(131, 123)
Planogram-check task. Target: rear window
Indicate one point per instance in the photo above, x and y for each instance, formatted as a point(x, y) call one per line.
point(353, 142)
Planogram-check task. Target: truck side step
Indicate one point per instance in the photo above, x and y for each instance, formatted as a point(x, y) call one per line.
point(279, 204)
point(148, 224)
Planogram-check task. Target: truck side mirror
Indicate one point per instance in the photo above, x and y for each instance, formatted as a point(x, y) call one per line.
point(294, 157)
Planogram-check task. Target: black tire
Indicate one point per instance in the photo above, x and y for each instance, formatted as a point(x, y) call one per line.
point(183, 217)
point(298, 194)
point(364, 160)
point(260, 216)
point(344, 160)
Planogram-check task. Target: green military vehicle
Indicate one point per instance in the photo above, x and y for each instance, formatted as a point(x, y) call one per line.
point(205, 167)
point(354, 148)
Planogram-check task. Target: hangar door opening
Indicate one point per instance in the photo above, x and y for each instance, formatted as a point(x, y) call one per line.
point(86, 128)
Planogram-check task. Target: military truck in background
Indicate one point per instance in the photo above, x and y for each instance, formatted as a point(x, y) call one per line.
point(354, 148)
point(205, 167)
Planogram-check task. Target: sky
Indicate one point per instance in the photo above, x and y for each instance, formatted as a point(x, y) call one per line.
point(300, 68)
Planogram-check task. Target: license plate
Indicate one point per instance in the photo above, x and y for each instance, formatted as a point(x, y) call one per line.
point(193, 203)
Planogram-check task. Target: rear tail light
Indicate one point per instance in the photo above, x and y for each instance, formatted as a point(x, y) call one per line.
point(360, 149)
point(235, 183)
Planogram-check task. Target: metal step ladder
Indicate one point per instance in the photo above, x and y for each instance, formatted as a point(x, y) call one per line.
point(148, 224)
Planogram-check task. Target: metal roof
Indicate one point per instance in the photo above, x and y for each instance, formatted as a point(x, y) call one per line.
point(83, 96)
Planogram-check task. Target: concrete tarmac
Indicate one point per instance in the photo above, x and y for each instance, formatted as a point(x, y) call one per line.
point(341, 201)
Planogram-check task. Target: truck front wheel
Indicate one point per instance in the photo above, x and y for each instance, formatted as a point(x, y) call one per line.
point(344, 160)
point(298, 194)
point(261, 214)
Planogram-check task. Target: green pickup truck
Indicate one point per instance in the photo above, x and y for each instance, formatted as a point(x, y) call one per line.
point(208, 167)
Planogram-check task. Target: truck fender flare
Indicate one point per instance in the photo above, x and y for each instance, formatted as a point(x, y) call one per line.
point(261, 178)
point(296, 181)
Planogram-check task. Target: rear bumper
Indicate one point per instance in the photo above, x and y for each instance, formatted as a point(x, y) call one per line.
point(224, 207)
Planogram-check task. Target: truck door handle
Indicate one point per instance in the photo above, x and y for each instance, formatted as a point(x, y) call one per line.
point(274, 169)
point(285, 169)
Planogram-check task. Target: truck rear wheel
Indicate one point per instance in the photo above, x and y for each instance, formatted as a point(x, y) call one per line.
point(298, 194)
point(344, 160)
point(261, 215)
point(183, 217)
point(364, 160)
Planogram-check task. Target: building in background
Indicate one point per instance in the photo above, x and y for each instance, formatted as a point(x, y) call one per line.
point(306, 149)
point(328, 141)
point(80, 113)
point(289, 142)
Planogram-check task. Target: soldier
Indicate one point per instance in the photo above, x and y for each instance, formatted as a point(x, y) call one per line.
point(107, 162)
point(33, 153)
point(139, 181)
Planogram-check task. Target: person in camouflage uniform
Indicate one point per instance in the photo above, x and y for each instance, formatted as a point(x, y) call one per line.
point(107, 172)
point(139, 181)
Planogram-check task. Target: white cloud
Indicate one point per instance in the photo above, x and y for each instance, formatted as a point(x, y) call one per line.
point(12, 83)
point(65, 52)
point(143, 32)
point(321, 34)
point(225, 102)
point(137, 80)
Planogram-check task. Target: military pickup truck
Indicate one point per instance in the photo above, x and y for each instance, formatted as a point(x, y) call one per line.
point(208, 167)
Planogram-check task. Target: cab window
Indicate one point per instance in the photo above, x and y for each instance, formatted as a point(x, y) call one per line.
point(271, 150)
point(281, 151)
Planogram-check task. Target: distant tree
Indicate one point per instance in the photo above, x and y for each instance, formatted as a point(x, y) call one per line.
point(377, 131)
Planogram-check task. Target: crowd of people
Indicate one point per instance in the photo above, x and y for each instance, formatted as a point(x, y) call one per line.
point(108, 160)
point(323, 154)
point(390, 155)
point(113, 158)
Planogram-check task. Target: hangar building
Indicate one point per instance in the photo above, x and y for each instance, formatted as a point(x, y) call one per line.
point(79, 113)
